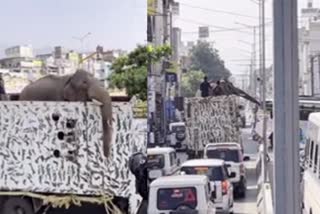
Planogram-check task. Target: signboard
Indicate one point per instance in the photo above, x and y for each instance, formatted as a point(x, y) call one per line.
point(203, 32)
point(171, 77)
point(140, 110)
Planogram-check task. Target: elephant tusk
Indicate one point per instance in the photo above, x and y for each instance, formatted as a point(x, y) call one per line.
point(96, 102)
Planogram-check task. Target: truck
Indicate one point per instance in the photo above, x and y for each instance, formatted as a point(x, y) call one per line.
point(51, 157)
point(211, 120)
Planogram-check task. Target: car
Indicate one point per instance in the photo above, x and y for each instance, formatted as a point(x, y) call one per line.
point(219, 178)
point(181, 194)
point(232, 154)
point(162, 161)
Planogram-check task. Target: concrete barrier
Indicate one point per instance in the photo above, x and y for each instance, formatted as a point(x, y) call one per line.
point(264, 199)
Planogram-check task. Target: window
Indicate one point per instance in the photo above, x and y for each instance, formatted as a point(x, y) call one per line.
point(172, 198)
point(224, 154)
point(306, 151)
point(215, 173)
point(311, 154)
point(173, 158)
point(155, 161)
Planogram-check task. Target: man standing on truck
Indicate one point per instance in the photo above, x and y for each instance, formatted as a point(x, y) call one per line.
point(204, 87)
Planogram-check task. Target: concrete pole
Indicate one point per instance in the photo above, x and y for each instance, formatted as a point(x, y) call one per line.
point(254, 64)
point(286, 110)
point(264, 85)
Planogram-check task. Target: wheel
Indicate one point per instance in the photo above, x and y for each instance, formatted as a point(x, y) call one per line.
point(242, 193)
point(17, 205)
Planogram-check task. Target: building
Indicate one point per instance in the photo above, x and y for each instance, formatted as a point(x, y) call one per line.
point(309, 46)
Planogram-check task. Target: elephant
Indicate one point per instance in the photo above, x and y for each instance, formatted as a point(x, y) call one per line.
point(80, 86)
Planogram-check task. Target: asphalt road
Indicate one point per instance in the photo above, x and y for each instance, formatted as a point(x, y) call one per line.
point(248, 205)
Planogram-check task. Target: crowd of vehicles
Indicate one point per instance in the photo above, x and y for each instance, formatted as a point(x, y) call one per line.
point(210, 135)
point(173, 184)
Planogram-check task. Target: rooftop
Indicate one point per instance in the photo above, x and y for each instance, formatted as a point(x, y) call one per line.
point(203, 162)
point(158, 150)
point(180, 181)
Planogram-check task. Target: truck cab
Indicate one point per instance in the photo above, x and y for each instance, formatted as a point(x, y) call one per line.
point(177, 135)
point(162, 161)
point(181, 194)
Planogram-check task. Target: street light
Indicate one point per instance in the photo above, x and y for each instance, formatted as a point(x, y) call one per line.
point(81, 39)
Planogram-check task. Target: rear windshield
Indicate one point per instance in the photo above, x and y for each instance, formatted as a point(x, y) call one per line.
point(155, 161)
point(178, 128)
point(224, 154)
point(173, 198)
point(214, 173)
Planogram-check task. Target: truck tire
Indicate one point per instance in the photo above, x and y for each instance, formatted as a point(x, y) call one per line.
point(17, 205)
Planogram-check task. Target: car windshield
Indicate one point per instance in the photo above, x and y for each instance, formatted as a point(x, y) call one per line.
point(155, 161)
point(173, 198)
point(214, 173)
point(178, 128)
point(224, 154)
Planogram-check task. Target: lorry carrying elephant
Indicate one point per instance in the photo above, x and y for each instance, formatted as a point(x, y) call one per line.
point(52, 155)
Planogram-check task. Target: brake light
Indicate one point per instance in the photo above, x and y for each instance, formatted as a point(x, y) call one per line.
point(225, 186)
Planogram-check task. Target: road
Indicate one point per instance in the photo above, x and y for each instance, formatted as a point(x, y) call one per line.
point(248, 205)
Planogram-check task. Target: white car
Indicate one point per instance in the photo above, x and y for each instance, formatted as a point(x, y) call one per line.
point(231, 153)
point(162, 161)
point(181, 194)
point(218, 175)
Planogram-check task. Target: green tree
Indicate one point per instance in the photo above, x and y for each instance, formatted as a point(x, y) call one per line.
point(190, 83)
point(130, 72)
point(207, 59)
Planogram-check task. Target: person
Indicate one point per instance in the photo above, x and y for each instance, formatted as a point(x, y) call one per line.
point(204, 87)
point(138, 166)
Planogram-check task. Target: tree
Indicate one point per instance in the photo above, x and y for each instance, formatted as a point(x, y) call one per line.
point(130, 72)
point(190, 83)
point(207, 59)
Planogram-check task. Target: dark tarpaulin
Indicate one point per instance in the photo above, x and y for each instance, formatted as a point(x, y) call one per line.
point(227, 88)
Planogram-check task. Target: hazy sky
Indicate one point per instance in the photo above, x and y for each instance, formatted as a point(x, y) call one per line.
point(46, 23)
point(235, 53)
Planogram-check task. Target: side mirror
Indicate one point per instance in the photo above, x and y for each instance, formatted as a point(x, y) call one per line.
point(246, 158)
point(232, 175)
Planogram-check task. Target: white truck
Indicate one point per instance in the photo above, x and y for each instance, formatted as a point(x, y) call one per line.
point(211, 120)
point(51, 155)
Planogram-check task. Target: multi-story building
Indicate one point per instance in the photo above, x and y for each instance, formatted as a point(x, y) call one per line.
point(309, 46)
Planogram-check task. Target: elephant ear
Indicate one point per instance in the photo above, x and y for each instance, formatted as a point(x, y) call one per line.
point(68, 90)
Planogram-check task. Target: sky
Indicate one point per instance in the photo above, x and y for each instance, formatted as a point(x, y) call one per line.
point(235, 48)
point(115, 24)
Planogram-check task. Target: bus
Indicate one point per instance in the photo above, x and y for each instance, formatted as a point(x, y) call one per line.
point(311, 176)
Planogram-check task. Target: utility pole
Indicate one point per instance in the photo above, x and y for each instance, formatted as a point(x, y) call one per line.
point(264, 87)
point(167, 39)
point(286, 108)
